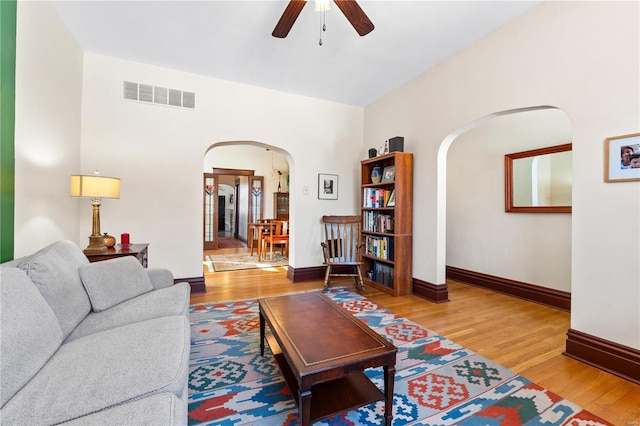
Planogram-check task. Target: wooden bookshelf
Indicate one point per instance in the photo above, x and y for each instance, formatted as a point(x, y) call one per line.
point(387, 230)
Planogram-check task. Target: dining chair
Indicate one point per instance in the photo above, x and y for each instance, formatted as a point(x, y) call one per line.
point(257, 231)
point(278, 235)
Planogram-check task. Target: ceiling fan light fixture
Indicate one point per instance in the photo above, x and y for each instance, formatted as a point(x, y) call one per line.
point(349, 8)
point(322, 5)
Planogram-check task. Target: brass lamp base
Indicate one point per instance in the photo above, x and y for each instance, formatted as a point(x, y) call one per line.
point(96, 245)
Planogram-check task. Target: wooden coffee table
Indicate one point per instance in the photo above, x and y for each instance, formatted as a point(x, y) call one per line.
point(322, 351)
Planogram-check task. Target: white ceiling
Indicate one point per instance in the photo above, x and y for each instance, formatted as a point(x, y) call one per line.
point(232, 40)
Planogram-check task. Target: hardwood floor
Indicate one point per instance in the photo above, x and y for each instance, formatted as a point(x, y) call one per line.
point(525, 337)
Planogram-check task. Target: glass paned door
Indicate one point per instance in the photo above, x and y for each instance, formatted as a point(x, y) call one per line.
point(249, 203)
point(256, 205)
point(256, 210)
point(210, 198)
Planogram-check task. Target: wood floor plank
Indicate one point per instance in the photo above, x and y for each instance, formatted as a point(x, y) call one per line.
point(525, 337)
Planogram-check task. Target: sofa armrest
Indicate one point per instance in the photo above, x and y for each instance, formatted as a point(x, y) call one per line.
point(160, 278)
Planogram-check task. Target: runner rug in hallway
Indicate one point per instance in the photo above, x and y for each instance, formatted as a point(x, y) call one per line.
point(437, 382)
point(229, 242)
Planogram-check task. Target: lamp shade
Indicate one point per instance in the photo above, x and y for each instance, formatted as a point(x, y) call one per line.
point(95, 186)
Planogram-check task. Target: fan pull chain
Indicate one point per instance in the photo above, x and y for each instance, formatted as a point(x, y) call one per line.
point(323, 26)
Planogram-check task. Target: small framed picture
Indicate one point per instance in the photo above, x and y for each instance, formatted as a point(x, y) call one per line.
point(622, 158)
point(389, 174)
point(327, 187)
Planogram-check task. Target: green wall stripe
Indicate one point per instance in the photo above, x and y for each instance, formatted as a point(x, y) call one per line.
point(7, 126)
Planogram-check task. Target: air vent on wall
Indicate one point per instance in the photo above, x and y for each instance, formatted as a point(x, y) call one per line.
point(145, 93)
point(175, 97)
point(158, 95)
point(188, 99)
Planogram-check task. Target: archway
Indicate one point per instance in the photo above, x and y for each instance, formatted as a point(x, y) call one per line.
point(496, 243)
point(258, 162)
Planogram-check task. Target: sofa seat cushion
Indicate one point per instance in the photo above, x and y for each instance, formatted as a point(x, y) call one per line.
point(30, 331)
point(113, 281)
point(155, 304)
point(104, 370)
point(160, 409)
point(54, 271)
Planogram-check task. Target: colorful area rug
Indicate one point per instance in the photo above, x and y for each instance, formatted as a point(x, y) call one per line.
point(437, 382)
point(235, 262)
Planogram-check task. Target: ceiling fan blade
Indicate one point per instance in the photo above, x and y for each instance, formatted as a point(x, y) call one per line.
point(356, 16)
point(288, 17)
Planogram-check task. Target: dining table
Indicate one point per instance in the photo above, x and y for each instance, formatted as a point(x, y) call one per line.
point(262, 228)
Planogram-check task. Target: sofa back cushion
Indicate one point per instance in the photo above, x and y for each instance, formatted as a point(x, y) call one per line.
point(113, 281)
point(30, 331)
point(54, 271)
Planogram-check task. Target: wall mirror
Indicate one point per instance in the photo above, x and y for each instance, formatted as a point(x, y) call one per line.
point(539, 180)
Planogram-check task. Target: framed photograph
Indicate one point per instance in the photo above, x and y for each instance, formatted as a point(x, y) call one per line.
point(327, 187)
point(389, 174)
point(622, 158)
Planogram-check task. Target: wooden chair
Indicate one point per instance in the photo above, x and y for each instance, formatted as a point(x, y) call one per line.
point(256, 232)
point(342, 246)
point(278, 235)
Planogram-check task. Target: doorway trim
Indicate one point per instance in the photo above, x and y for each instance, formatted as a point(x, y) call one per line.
point(216, 173)
point(232, 172)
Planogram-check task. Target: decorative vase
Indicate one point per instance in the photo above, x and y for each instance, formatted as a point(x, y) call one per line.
point(376, 174)
point(108, 240)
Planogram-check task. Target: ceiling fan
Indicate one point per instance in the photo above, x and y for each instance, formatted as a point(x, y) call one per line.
point(350, 8)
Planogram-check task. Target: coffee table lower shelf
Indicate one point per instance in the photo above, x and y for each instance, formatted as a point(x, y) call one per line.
point(332, 397)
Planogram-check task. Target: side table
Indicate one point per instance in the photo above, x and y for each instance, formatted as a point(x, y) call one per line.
point(140, 251)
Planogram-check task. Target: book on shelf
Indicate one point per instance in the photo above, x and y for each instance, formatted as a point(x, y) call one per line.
point(381, 247)
point(382, 274)
point(376, 198)
point(374, 221)
point(391, 200)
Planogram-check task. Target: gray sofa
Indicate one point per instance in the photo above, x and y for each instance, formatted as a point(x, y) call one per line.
point(82, 343)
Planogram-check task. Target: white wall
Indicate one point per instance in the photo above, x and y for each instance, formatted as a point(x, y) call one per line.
point(582, 57)
point(481, 236)
point(158, 153)
point(47, 130)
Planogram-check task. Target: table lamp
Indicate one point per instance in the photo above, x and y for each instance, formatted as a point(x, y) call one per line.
point(96, 187)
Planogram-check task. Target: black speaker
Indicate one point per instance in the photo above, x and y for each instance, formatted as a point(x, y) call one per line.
point(373, 152)
point(396, 144)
